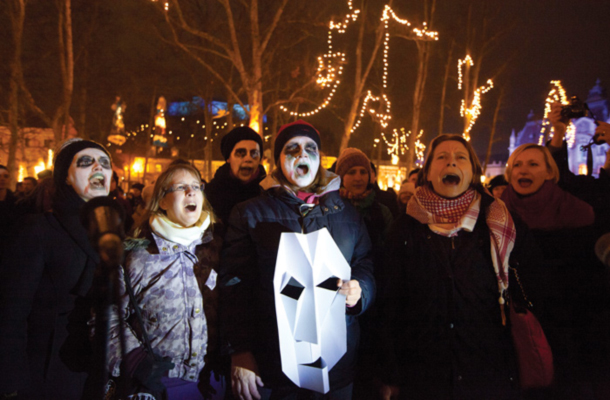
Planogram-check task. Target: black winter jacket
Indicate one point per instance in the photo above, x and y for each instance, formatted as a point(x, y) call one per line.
point(43, 278)
point(225, 191)
point(442, 329)
point(247, 301)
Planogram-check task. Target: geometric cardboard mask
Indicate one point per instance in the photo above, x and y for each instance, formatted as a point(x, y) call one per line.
point(310, 311)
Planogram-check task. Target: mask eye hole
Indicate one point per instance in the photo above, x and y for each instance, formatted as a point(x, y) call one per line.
point(293, 289)
point(330, 284)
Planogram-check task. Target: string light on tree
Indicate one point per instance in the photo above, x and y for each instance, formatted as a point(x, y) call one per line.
point(389, 14)
point(328, 73)
point(467, 60)
point(420, 148)
point(556, 94)
point(381, 117)
point(471, 112)
point(397, 146)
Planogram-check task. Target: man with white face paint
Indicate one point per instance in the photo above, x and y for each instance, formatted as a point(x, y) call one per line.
point(239, 178)
point(299, 196)
point(44, 280)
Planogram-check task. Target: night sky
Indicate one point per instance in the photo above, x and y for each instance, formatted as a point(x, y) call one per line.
point(567, 42)
point(550, 40)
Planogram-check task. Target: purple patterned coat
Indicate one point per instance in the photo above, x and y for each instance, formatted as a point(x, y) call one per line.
point(166, 289)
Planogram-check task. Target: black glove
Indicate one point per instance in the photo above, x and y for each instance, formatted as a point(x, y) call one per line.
point(150, 370)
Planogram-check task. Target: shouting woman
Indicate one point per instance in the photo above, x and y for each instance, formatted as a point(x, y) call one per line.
point(170, 259)
point(443, 316)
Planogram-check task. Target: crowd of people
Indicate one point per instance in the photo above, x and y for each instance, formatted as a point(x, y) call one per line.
point(433, 271)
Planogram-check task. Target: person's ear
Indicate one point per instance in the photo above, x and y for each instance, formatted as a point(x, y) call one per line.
point(163, 204)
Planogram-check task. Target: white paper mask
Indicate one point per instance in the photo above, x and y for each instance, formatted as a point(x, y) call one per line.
point(310, 311)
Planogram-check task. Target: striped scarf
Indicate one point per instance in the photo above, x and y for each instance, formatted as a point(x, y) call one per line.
point(446, 217)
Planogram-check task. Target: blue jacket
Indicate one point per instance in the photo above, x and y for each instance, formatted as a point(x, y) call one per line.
point(247, 304)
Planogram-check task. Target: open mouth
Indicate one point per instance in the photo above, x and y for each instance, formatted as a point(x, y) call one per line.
point(246, 170)
point(302, 169)
point(525, 183)
point(451, 179)
point(97, 181)
point(191, 207)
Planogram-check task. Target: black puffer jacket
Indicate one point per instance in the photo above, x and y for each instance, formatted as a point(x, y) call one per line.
point(225, 191)
point(248, 317)
point(442, 329)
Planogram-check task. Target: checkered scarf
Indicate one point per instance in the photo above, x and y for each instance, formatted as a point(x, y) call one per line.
point(447, 217)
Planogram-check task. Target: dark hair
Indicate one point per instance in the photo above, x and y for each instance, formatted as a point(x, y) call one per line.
point(414, 171)
point(477, 170)
point(3, 167)
point(32, 179)
point(179, 161)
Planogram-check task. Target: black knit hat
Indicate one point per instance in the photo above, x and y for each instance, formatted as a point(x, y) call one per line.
point(65, 155)
point(294, 129)
point(498, 180)
point(237, 135)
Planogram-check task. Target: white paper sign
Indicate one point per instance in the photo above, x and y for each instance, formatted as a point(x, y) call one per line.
point(310, 311)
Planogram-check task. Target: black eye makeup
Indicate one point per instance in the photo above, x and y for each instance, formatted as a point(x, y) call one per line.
point(240, 153)
point(311, 149)
point(292, 149)
point(87, 161)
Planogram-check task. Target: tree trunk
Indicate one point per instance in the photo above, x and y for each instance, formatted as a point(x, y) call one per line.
point(444, 91)
point(17, 19)
point(349, 123)
point(255, 100)
point(61, 119)
point(423, 53)
point(82, 106)
point(493, 130)
point(361, 77)
point(209, 133)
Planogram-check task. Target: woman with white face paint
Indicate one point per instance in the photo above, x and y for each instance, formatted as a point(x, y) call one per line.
point(299, 196)
point(442, 306)
point(44, 278)
point(171, 260)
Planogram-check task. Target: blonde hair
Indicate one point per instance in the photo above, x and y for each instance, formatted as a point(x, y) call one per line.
point(162, 184)
point(551, 166)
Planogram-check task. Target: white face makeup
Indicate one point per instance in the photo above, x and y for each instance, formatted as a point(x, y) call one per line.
point(90, 173)
point(183, 200)
point(245, 159)
point(356, 180)
point(529, 172)
point(450, 172)
point(300, 161)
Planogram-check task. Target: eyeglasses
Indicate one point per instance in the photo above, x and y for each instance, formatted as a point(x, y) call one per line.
point(183, 187)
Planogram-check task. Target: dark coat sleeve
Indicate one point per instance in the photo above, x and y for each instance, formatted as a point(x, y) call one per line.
point(594, 191)
point(237, 276)
point(21, 271)
point(362, 270)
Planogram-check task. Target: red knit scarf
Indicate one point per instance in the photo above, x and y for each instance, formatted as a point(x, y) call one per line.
point(447, 217)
